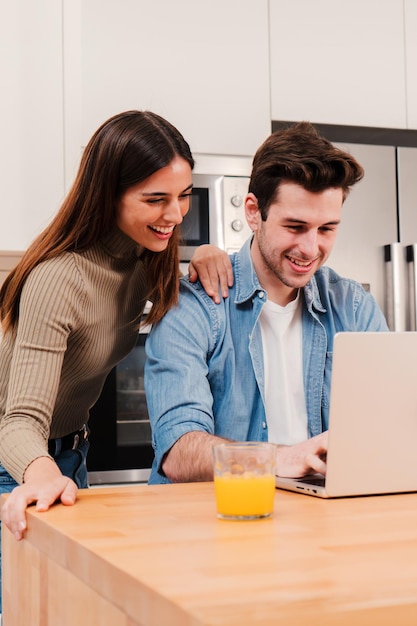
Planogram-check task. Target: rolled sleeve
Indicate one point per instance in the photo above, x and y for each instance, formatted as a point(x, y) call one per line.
point(177, 388)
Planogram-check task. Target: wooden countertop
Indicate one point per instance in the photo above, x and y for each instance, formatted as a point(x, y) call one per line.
point(158, 556)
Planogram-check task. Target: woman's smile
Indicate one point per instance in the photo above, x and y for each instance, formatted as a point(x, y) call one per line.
point(149, 211)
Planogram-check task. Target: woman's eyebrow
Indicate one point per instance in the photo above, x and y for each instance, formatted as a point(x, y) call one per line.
point(164, 193)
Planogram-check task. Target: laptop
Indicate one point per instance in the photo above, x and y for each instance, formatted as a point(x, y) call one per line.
point(372, 446)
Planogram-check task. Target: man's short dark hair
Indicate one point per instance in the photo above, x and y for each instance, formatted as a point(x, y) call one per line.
point(299, 154)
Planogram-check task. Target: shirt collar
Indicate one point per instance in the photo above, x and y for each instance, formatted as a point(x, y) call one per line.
point(247, 283)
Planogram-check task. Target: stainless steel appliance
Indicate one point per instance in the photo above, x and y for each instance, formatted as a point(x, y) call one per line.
point(401, 255)
point(121, 448)
point(217, 213)
point(377, 238)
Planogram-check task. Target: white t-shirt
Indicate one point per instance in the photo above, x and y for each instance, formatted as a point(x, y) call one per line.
point(283, 365)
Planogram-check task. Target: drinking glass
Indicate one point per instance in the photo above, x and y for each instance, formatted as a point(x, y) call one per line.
point(244, 480)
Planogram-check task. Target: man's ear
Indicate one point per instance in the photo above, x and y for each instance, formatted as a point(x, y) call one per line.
point(253, 215)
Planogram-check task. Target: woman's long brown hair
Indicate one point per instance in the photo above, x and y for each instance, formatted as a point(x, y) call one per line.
point(125, 150)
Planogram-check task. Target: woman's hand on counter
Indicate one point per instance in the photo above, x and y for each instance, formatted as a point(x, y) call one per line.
point(43, 485)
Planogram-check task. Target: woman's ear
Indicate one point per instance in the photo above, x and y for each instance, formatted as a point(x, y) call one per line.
point(253, 215)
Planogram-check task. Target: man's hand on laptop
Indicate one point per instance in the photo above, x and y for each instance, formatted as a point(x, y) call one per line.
point(304, 458)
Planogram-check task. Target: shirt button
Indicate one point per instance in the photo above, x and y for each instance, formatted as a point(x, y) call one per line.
point(263, 424)
point(261, 294)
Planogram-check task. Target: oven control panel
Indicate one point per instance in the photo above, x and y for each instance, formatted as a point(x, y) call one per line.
point(235, 227)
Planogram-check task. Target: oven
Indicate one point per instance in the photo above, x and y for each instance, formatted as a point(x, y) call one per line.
point(120, 433)
point(121, 444)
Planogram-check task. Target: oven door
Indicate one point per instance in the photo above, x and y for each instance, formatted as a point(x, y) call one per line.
point(120, 433)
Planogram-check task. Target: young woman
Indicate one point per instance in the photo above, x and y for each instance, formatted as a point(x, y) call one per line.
point(71, 308)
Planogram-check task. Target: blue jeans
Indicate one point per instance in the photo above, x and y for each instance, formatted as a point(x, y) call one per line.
point(72, 463)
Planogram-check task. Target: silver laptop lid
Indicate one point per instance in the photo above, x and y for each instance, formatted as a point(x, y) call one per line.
point(373, 417)
point(373, 414)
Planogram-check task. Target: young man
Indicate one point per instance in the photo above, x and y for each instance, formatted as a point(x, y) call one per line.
point(257, 367)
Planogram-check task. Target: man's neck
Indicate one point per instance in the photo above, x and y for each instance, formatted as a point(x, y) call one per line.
point(281, 296)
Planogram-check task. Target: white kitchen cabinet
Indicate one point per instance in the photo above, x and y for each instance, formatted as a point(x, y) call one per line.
point(31, 119)
point(410, 14)
point(202, 65)
point(339, 62)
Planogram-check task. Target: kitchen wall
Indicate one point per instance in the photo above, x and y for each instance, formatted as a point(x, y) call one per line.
point(220, 71)
point(31, 118)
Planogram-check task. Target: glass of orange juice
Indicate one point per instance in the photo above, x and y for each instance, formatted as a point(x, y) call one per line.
point(244, 480)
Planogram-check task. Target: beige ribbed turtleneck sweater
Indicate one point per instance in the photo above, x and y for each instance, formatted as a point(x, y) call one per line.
point(78, 318)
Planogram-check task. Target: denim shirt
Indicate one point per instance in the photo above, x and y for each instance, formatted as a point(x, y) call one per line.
point(204, 368)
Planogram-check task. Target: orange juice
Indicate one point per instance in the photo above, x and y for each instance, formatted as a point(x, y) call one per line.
point(244, 495)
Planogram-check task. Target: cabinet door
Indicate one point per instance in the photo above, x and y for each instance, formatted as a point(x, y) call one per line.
point(31, 119)
point(338, 62)
point(410, 13)
point(202, 65)
point(369, 220)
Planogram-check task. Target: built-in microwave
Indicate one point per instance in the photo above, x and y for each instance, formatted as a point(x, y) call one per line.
point(217, 212)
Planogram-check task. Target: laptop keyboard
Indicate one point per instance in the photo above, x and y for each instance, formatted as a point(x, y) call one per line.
point(319, 481)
